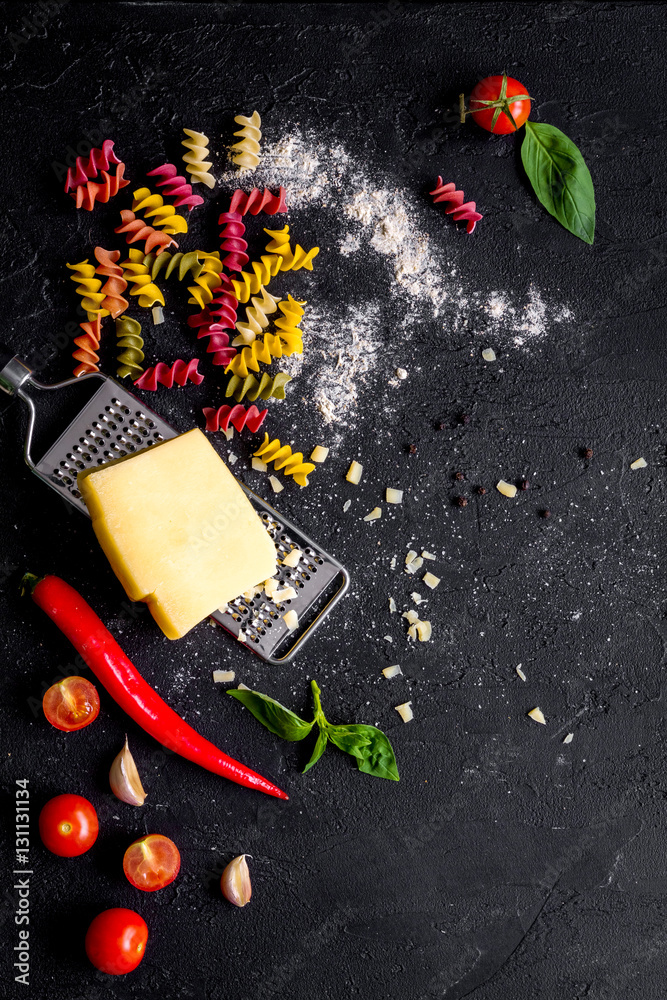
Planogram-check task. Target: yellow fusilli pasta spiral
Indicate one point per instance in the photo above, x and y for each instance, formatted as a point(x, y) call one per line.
point(279, 244)
point(284, 344)
point(292, 314)
point(249, 358)
point(88, 287)
point(284, 458)
point(250, 284)
point(256, 318)
point(128, 333)
point(195, 158)
point(154, 208)
point(136, 273)
point(245, 154)
point(267, 387)
point(207, 280)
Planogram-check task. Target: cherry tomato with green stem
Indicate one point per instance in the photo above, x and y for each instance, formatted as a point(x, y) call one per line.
point(68, 825)
point(71, 704)
point(499, 104)
point(116, 941)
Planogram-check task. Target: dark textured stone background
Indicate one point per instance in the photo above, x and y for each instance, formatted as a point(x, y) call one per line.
point(504, 864)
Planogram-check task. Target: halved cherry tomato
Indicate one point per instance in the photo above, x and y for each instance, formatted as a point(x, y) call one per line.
point(491, 100)
point(68, 825)
point(116, 941)
point(71, 704)
point(152, 862)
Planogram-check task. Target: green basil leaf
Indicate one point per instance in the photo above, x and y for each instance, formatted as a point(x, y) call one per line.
point(346, 738)
point(320, 747)
point(273, 715)
point(560, 178)
point(375, 755)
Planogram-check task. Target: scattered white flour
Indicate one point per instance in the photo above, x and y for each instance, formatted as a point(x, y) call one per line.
point(347, 343)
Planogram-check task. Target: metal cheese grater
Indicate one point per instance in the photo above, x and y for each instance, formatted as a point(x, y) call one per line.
point(111, 423)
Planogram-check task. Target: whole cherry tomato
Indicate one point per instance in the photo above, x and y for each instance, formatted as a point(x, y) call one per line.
point(71, 704)
point(152, 862)
point(68, 825)
point(116, 941)
point(496, 100)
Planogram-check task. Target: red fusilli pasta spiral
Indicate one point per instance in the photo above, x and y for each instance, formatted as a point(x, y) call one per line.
point(237, 416)
point(85, 195)
point(258, 201)
point(459, 211)
point(115, 284)
point(233, 244)
point(137, 229)
point(88, 167)
point(218, 316)
point(180, 373)
point(175, 186)
point(87, 347)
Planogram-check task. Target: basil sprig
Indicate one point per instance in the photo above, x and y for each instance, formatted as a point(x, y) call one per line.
point(560, 178)
point(367, 744)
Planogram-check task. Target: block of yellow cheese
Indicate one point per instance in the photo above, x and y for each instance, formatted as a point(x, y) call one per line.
point(178, 530)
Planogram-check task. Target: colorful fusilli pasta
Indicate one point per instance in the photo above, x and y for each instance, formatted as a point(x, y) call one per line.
point(256, 318)
point(87, 167)
point(245, 153)
point(88, 287)
point(212, 322)
point(112, 290)
point(258, 201)
point(459, 211)
point(153, 207)
point(237, 416)
point(130, 342)
point(233, 244)
point(175, 186)
point(279, 244)
point(267, 387)
point(181, 263)
point(250, 284)
point(284, 458)
point(195, 161)
point(137, 274)
point(249, 359)
point(86, 195)
point(284, 344)
point(208, 279)
point(87, 347)
point(136, 229)
point(167, 375)
point(292, 314)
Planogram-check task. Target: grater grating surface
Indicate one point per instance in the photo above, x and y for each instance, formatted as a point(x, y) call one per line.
point(113, 423)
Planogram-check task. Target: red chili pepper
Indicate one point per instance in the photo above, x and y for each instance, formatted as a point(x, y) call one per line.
point(77, 620)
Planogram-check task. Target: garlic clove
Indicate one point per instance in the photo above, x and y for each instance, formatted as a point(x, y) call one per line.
point(235, 881)
point(124, 779)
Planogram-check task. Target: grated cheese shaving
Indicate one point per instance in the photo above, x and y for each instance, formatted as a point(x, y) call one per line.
point(521, 673)
point(411, 616)
point(394, 496)
point(232, 458)
point(392, 606)
point(507, 489)
point(158, 315)
point(276, 484)
point(242, 687)
point(270, 586)
point(288, 594)
point(569, 738)
point(374, 514)
point(241, 636)
point(390, 672)
point(424, 631)
point(292, 558)
point(405, 711)
point(392, 564)
point(430, 580)
point(489, 354)
point(417, 598)
point(427, 555)
point(537, 715)
point(319, 453)
point(354, 473)
point(639, 463)
point(410, 556)
point(229, 433)
point(258, 465)
point(223, 676)
point(347, 505)
point(291, 619)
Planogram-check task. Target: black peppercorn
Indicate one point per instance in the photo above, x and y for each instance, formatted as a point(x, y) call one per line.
point(461, 502)
point(441, 426)
point(464, 418)
point(545, 513)
point(412, 449)
point(524, 484)
point(481, 490)
point(587, 452)
point(459, 476)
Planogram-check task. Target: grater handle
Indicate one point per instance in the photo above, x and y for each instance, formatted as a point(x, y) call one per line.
point(13, 372)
